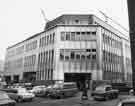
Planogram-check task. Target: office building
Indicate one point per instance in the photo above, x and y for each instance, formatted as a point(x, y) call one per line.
point(71, 48)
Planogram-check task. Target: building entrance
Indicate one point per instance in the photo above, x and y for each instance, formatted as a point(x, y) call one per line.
point(29, 76)
point(82, 79)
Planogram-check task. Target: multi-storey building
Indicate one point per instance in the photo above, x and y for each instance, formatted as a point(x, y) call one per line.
point(71, 48)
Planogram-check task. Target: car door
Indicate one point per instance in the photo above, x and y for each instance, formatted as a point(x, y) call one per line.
point(109, 91)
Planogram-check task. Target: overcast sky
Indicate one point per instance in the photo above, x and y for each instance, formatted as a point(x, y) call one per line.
point(20, 19)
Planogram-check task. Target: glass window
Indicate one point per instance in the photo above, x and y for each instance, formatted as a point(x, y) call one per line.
point(82, 57)
point(66, 57)
point(62, 35)
point(61, 54)
point(94, 57)
point(72, 35)
point(93, 33)
point(50, 38)
point(53, 37)
point(47, 40)
point(67, 35)
point(77, 56)
point(88, 57)
point(72, 55)
point(93, 50)
point(78, 35)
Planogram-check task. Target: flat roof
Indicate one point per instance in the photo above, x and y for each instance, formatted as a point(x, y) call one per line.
point(26, 39)
point(58, 21)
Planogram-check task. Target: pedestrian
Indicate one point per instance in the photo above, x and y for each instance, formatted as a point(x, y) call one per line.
point(84, 93)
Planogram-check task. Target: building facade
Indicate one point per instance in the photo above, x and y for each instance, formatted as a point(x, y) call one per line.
point(71, 48)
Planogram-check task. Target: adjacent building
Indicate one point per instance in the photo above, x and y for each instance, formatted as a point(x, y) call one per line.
point(71, 48)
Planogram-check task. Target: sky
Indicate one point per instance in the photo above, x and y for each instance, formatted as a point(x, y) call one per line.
point(20, 19)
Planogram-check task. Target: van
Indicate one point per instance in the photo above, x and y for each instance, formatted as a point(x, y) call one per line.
point(61, 90)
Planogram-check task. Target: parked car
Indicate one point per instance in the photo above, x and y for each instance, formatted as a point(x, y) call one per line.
point(39, 90)
point(5, 100)
point(105, 92)
point(19, 95)
point(61, 90)
point(130, 101)
point(122, 87)
point(49, 88)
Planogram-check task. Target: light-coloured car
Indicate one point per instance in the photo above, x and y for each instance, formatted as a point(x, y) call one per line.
point(104, 92)
point(5, 100)
point(19, 94)
point(25, 94)
point(39, 90)
point(129, 101)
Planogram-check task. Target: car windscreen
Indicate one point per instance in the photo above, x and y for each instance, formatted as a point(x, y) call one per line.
point(100, 88)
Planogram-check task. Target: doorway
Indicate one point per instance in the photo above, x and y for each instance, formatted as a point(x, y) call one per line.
point(82, 79)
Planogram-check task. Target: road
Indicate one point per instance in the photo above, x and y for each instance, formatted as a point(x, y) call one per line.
point(72, 101)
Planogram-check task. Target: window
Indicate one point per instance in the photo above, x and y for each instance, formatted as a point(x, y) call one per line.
point(94, 57)
point(53, 38)
point(88, 57)
point(47, 40)
point(72, 35)
point(77, 56)
point(61, 54)
point(93, 50)
point(77, 35)
point(67, 35)
point(72, 55)
point(82, 57)
point(93, 33)
point(88, 50)
point(76, 21)
point(66, 57)
point(62, 35)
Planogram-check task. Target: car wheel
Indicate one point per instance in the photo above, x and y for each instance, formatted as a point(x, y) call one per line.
point(19, 99)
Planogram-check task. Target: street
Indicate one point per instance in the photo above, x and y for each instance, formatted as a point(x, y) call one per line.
point(72, 101)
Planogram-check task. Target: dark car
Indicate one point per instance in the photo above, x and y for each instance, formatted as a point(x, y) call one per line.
point(104, 92)
point(122, 87)
point(129, 101)
point(5, 100)
point(61, 90)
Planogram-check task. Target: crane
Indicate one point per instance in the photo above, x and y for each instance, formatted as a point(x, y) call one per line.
point(44, 16)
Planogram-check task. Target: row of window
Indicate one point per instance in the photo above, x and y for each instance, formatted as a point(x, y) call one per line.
point(30, 60)
point(20, 50)
point(111, 57)
point(128, 65)
point(111, 41)
point(78, 54)
point(111, 67)
point(78, 36)
point(45, 57)
point(129, 76)
point(113, 76)
point(32, 45)
point(45, 75)
point(15, 64)
point(47, 40)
